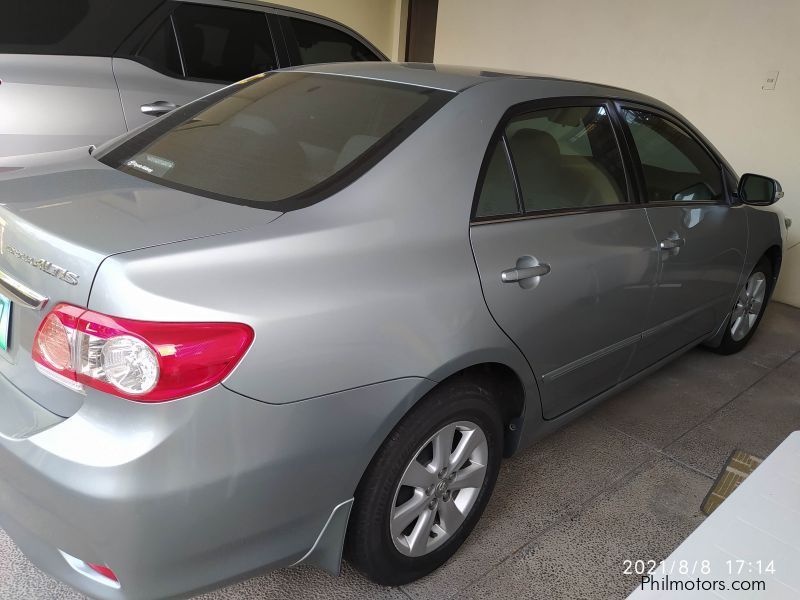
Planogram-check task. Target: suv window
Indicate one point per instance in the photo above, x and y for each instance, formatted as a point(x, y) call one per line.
point(276, 136)
point(497, 190)
point(79, 27)
point(317, 43)
point(674, 165)
point(566, 158)
point(223, 44)
point(161, 50)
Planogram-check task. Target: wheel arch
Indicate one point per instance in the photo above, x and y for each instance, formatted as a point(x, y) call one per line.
point(775, 256)
point(506, 389)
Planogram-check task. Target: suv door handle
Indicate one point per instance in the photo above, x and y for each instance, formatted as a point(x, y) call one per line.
point(671, 243)
point(158, 108)
point(521, 274)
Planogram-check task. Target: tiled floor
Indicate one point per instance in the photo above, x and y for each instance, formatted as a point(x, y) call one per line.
point(624, 482)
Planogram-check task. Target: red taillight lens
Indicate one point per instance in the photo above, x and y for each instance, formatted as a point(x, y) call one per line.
point(140, 360)
point(104, 571)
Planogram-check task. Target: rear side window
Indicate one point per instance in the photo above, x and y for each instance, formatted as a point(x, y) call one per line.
point(161, 51)
point(223, 44)
point(675, 167)
point(74, 27)
point(317, 43)
point(566, 158)
point(497, 195)
point(280, 141)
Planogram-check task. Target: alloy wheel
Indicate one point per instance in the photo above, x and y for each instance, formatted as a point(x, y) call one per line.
point(439, 488)
point(749, 305)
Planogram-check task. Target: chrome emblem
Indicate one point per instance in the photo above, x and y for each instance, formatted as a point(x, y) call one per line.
point(44, 265)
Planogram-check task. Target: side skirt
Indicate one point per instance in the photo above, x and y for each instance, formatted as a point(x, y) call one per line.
point(543, 428)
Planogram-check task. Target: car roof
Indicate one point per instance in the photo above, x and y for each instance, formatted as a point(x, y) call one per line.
point(457, 78)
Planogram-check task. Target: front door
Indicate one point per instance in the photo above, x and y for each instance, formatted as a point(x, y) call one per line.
point(699, 234)
point(566, 262)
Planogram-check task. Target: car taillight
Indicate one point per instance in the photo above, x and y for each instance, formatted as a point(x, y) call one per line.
point(139, 360)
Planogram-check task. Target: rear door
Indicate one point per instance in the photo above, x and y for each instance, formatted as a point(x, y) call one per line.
point(702, 238)
point(566, 258)
point(187, 52)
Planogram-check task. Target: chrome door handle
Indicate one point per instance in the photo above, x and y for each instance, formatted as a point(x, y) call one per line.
point(670, 243)
point(158, 108)
point(521, 274)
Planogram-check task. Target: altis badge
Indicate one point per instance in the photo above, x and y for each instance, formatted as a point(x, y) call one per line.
point(44, 265)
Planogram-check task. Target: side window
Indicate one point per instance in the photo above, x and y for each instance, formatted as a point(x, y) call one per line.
point(161, 51)
point(223, 44)
point(497, 195)
point(317, 43)
point(567, 158)
point(675, 166)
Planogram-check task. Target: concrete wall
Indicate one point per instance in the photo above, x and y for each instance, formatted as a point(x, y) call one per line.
point(379, 21)
point(707, 58)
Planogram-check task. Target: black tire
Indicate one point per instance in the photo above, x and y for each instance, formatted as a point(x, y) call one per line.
point(732, 346)
point(369, 545)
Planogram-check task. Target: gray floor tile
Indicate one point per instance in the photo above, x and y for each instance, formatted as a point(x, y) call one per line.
point(582, 557)
point(671, 401)
point(19, 579)
point(777, 338)
point(534, 490)
point(757, 421)
point(307, 583)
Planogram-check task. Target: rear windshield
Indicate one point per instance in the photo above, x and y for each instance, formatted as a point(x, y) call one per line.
point(279, 141)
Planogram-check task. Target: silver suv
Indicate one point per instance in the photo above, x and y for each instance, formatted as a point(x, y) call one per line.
point(83, 72)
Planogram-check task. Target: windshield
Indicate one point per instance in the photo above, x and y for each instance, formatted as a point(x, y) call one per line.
point(279, 141)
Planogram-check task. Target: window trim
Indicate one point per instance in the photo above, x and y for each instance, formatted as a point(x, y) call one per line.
point(632, 197)
point(621, 105)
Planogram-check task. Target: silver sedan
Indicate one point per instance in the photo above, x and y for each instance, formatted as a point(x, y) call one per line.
point(312, 311)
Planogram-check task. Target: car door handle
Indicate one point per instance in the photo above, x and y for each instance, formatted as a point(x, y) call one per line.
point(671, 243)
point(158, 108)
point(521, 274)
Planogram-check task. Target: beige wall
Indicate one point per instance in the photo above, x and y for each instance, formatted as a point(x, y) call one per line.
point(377, 20)
point(706, 58)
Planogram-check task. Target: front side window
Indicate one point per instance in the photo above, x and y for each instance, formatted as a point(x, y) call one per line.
point(675, 167)
point(566, 158)
point(317, 43)
point(223, 44)
point(276, 136)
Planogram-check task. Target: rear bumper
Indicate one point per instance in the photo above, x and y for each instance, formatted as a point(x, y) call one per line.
point(185, 495)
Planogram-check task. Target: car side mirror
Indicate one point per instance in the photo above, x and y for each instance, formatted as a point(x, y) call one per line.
point(759, 190)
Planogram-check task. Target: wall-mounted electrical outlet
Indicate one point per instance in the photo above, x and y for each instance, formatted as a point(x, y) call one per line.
point(770, 80)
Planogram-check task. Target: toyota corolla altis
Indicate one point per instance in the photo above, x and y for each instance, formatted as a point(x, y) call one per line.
point(311, 312)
